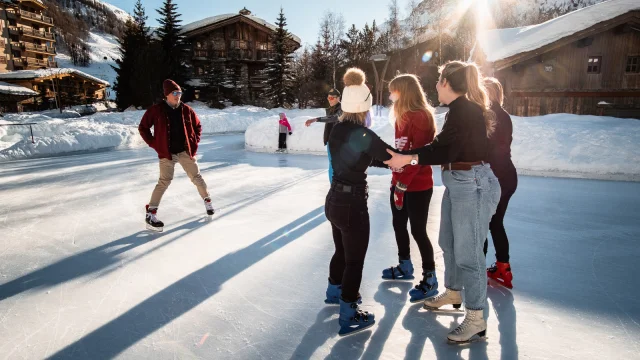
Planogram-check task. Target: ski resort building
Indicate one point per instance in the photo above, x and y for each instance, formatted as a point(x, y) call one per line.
point(585, 62)
point(236, 48)
point(57, 87)
point(27, 39)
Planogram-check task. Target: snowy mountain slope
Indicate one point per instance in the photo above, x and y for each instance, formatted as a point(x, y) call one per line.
point(103, 49)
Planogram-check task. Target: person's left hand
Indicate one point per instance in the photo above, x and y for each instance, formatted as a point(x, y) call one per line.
point(309, 122)
point(290, 133)
point(397, 160)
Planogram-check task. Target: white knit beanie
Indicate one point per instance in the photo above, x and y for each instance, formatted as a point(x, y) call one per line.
point(356, 96)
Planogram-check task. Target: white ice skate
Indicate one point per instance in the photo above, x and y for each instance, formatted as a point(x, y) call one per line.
point(151, 218)
point(441, 302)
point(209, 206)
point(472, 329)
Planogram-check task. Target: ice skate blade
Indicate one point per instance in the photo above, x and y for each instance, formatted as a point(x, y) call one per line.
point(411, 277)
point(501, 283)
point(154, 229)
point(444, 311)
point(474, 339)
point(350, 331)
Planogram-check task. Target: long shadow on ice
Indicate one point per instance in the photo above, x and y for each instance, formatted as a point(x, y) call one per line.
point(182, 296)
point(393, 303)
point(88, 262)
point(502, 304)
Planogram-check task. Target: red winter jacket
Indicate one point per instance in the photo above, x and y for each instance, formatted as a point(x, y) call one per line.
point(157, 118)
point(417, 131)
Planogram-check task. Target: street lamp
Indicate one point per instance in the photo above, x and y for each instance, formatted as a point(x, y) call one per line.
point(379, 86)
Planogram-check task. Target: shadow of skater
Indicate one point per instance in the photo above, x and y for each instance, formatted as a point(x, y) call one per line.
point(393, 303)
point(183, 295)
point(350, 347)
point(502, 302)
point(86, 262)
point(322, 330)
point(424, 325)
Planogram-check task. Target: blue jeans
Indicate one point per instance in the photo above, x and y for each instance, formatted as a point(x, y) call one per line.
point(330, 167)
point(469, 201)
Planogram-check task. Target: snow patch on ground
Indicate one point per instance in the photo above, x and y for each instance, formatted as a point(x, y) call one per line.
point(551, 145)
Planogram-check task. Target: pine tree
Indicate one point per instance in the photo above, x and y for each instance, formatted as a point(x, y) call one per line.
point(125, 67)
point(320, 75)
point(351, 47)
point(145, 78)
point(216, 79)
point(172, 43)
point(279, 91)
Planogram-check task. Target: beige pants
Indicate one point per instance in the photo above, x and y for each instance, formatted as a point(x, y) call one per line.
point(167, 167)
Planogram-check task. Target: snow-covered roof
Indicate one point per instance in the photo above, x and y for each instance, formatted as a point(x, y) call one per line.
point(34, 74)
point(13, 89)
point(218, 18)
point(500, 44)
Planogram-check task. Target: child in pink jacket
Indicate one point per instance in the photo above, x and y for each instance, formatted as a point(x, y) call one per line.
point(285, 128)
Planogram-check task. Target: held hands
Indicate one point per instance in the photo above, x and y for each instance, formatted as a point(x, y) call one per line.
point(398, 195)
point(397, 160)
point(309, 122)
point(290, 133)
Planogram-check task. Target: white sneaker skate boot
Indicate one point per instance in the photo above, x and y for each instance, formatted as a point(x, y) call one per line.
point(472, 329)
point(209, 206)
point(151, 218)
point(448, 297)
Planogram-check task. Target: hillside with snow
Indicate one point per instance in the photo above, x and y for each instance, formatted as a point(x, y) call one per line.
point(103, 50)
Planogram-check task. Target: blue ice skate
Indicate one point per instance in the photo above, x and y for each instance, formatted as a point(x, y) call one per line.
point(333, 294)
point(404, 271)
point(427, 288)
point(353, 320)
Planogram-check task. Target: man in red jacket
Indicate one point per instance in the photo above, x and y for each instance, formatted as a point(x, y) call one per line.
point(176, 134)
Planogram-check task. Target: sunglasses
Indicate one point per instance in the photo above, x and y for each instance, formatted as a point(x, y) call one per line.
point(177, 93)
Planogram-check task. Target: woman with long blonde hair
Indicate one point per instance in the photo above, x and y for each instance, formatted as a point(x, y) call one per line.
point(471, 193)
point(412, 187)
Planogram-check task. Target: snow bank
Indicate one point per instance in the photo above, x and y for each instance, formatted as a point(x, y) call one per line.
point(551, 145)
point(263, 135)
point(105, 130)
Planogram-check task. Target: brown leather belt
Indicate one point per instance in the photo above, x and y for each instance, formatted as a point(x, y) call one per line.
point(461, 165)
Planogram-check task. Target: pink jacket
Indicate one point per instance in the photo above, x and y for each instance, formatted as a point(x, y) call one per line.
point(284, 125)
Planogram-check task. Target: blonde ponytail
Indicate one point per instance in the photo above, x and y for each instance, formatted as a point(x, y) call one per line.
point(477, 93)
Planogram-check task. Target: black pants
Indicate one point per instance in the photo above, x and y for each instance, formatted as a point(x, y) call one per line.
point(508, 183)
point(349, 217)
point(415, 211)
point(282, 141)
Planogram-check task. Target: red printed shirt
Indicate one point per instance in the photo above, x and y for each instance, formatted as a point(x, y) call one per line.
point(416, 131)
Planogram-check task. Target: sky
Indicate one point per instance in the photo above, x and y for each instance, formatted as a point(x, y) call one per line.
point(303, 17)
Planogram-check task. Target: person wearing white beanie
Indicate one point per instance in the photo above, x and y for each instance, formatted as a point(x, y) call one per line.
point(353, 148)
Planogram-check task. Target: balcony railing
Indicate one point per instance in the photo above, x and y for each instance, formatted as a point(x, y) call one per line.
point(37, 34)
point(200, 54)
point(14, 30)
point(240, 44)
point(39, 48)
point(264, 55)
point(28, 61)
point(37, 17)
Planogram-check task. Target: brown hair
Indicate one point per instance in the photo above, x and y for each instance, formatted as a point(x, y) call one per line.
point(464, 78)
point(412, 98)
point(494, 90)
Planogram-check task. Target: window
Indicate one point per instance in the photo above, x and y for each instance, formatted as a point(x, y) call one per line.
point(199, 70)
point(633, 64)
point(198, 45)
point(594, 65)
